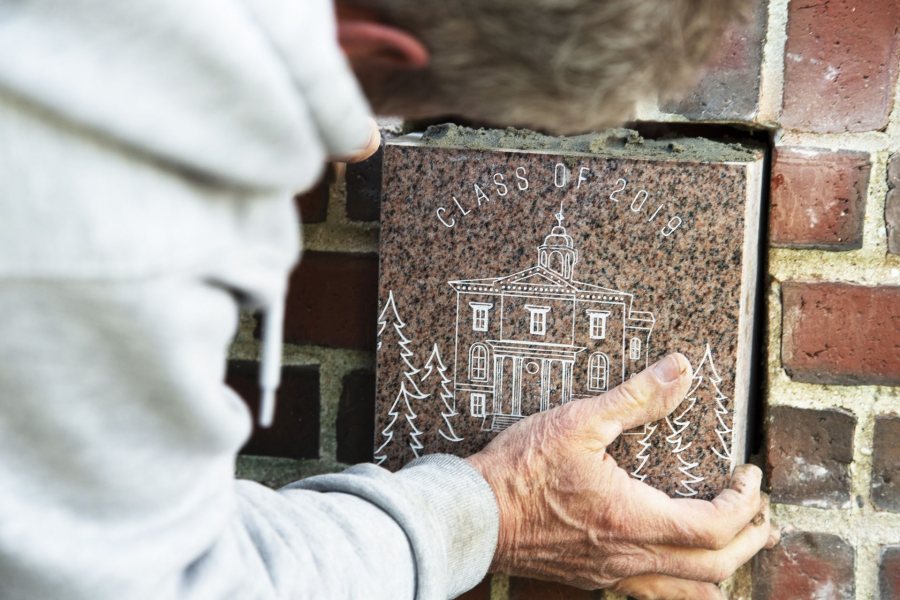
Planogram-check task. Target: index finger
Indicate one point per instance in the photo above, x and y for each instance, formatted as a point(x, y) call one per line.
point(699, 523)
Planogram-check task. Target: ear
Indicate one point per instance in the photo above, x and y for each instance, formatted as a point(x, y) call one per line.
point(371, 41)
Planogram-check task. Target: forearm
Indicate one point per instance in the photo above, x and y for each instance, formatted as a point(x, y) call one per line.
point(442, 507)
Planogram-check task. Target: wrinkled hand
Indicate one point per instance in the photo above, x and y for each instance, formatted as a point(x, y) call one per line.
point(568, 513)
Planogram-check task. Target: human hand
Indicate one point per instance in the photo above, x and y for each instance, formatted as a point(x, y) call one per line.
point(568, 513)
point(368, 150)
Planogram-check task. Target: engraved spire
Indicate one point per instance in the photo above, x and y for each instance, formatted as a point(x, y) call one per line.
point(558, 253)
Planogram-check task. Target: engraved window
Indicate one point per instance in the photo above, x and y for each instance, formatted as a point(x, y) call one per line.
point(478, 362)
point(634, 348)
point(480, 315)
point(476, 405)
point(598, 372)
point(598, 324)
point(538, 319)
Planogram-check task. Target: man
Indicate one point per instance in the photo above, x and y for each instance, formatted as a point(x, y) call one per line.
point(148, 158)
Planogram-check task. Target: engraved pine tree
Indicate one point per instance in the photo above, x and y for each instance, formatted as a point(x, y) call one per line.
point(434, 383)
point(681, 440)
point(703, 411)
point(722, 428)
point(643, 454)
point(401, 435)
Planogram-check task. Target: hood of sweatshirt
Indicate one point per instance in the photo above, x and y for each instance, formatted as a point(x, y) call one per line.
point(152, 138)
point(255, 93)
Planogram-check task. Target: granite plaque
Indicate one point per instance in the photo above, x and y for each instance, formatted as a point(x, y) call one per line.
point(516, 280)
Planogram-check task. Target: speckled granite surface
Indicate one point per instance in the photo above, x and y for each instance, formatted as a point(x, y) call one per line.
point(513, 282)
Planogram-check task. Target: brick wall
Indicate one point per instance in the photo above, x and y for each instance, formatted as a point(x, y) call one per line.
point(822, 77)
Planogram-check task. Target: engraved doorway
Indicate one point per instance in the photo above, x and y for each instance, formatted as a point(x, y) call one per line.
point(528, 377)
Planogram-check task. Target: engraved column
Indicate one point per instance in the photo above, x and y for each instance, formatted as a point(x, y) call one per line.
point(545, 384)
point(517, 386)
point(566, 382)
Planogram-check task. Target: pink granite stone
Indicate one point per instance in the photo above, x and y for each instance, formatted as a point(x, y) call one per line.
point(515, 281)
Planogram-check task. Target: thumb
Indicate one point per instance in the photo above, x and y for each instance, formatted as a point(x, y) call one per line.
point(648, 396)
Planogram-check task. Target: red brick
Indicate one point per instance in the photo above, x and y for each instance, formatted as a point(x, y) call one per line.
point(808, 454)
point(482, 591)
point(729, 90)
point(313, 203)
point(892, 205)
point(840, 65)
point(356, 417)
point(889, 573)
point(886, 463)
point(332, 301)
point(364, 188)
point(805, 566)
point(841, 334)
point(818, 198)
point(295, 431)
point(532, 589)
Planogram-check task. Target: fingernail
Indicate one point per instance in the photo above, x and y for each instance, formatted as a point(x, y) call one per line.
point(668, 369)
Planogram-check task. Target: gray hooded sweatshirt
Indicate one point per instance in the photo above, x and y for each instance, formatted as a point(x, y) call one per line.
point(148, 155)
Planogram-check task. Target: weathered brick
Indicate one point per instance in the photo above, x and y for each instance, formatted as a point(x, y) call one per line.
point(841, 334)
point(805, 566)
point(356, 417)
point(808, 453)
point(313, 203)
point(364, 188)
point(532, 589)
point(889, 573)
point(886, 463)
point(818, 198)
point(840, 66)
point(482, 591)
point(729, 90)
point(332, 300)
point(295, 431)
point(892, 205)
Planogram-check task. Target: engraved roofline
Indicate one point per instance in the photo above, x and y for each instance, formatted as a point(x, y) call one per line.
point(556, 285)
point(535, 349)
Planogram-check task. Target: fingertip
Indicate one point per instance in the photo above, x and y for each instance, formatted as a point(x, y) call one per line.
point(672, 368)
point(746, 479)
point(686, 369)
point(774, 537)
point(711, 591)
point(371, 147)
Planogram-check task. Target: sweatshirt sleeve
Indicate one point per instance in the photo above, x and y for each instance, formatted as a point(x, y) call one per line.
point(428, 531)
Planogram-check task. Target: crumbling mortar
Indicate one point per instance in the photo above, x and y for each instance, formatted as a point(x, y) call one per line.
point(334, 364)
point(771, 85)
point(500, 587)
point(338, 233)
point(868, 141)
point(875, 226)
point(866, 266)
point(278, 472)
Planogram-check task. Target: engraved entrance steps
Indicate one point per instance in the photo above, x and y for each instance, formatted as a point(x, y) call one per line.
point(502, 422)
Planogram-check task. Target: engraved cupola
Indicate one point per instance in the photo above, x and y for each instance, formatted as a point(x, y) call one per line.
point(558, 253)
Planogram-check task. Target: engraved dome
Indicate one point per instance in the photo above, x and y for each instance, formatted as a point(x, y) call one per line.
point(559, 237)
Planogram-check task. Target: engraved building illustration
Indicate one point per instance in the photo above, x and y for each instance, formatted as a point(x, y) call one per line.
point(532, 340)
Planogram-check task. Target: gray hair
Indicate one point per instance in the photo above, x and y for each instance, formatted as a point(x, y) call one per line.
point(564, 66)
